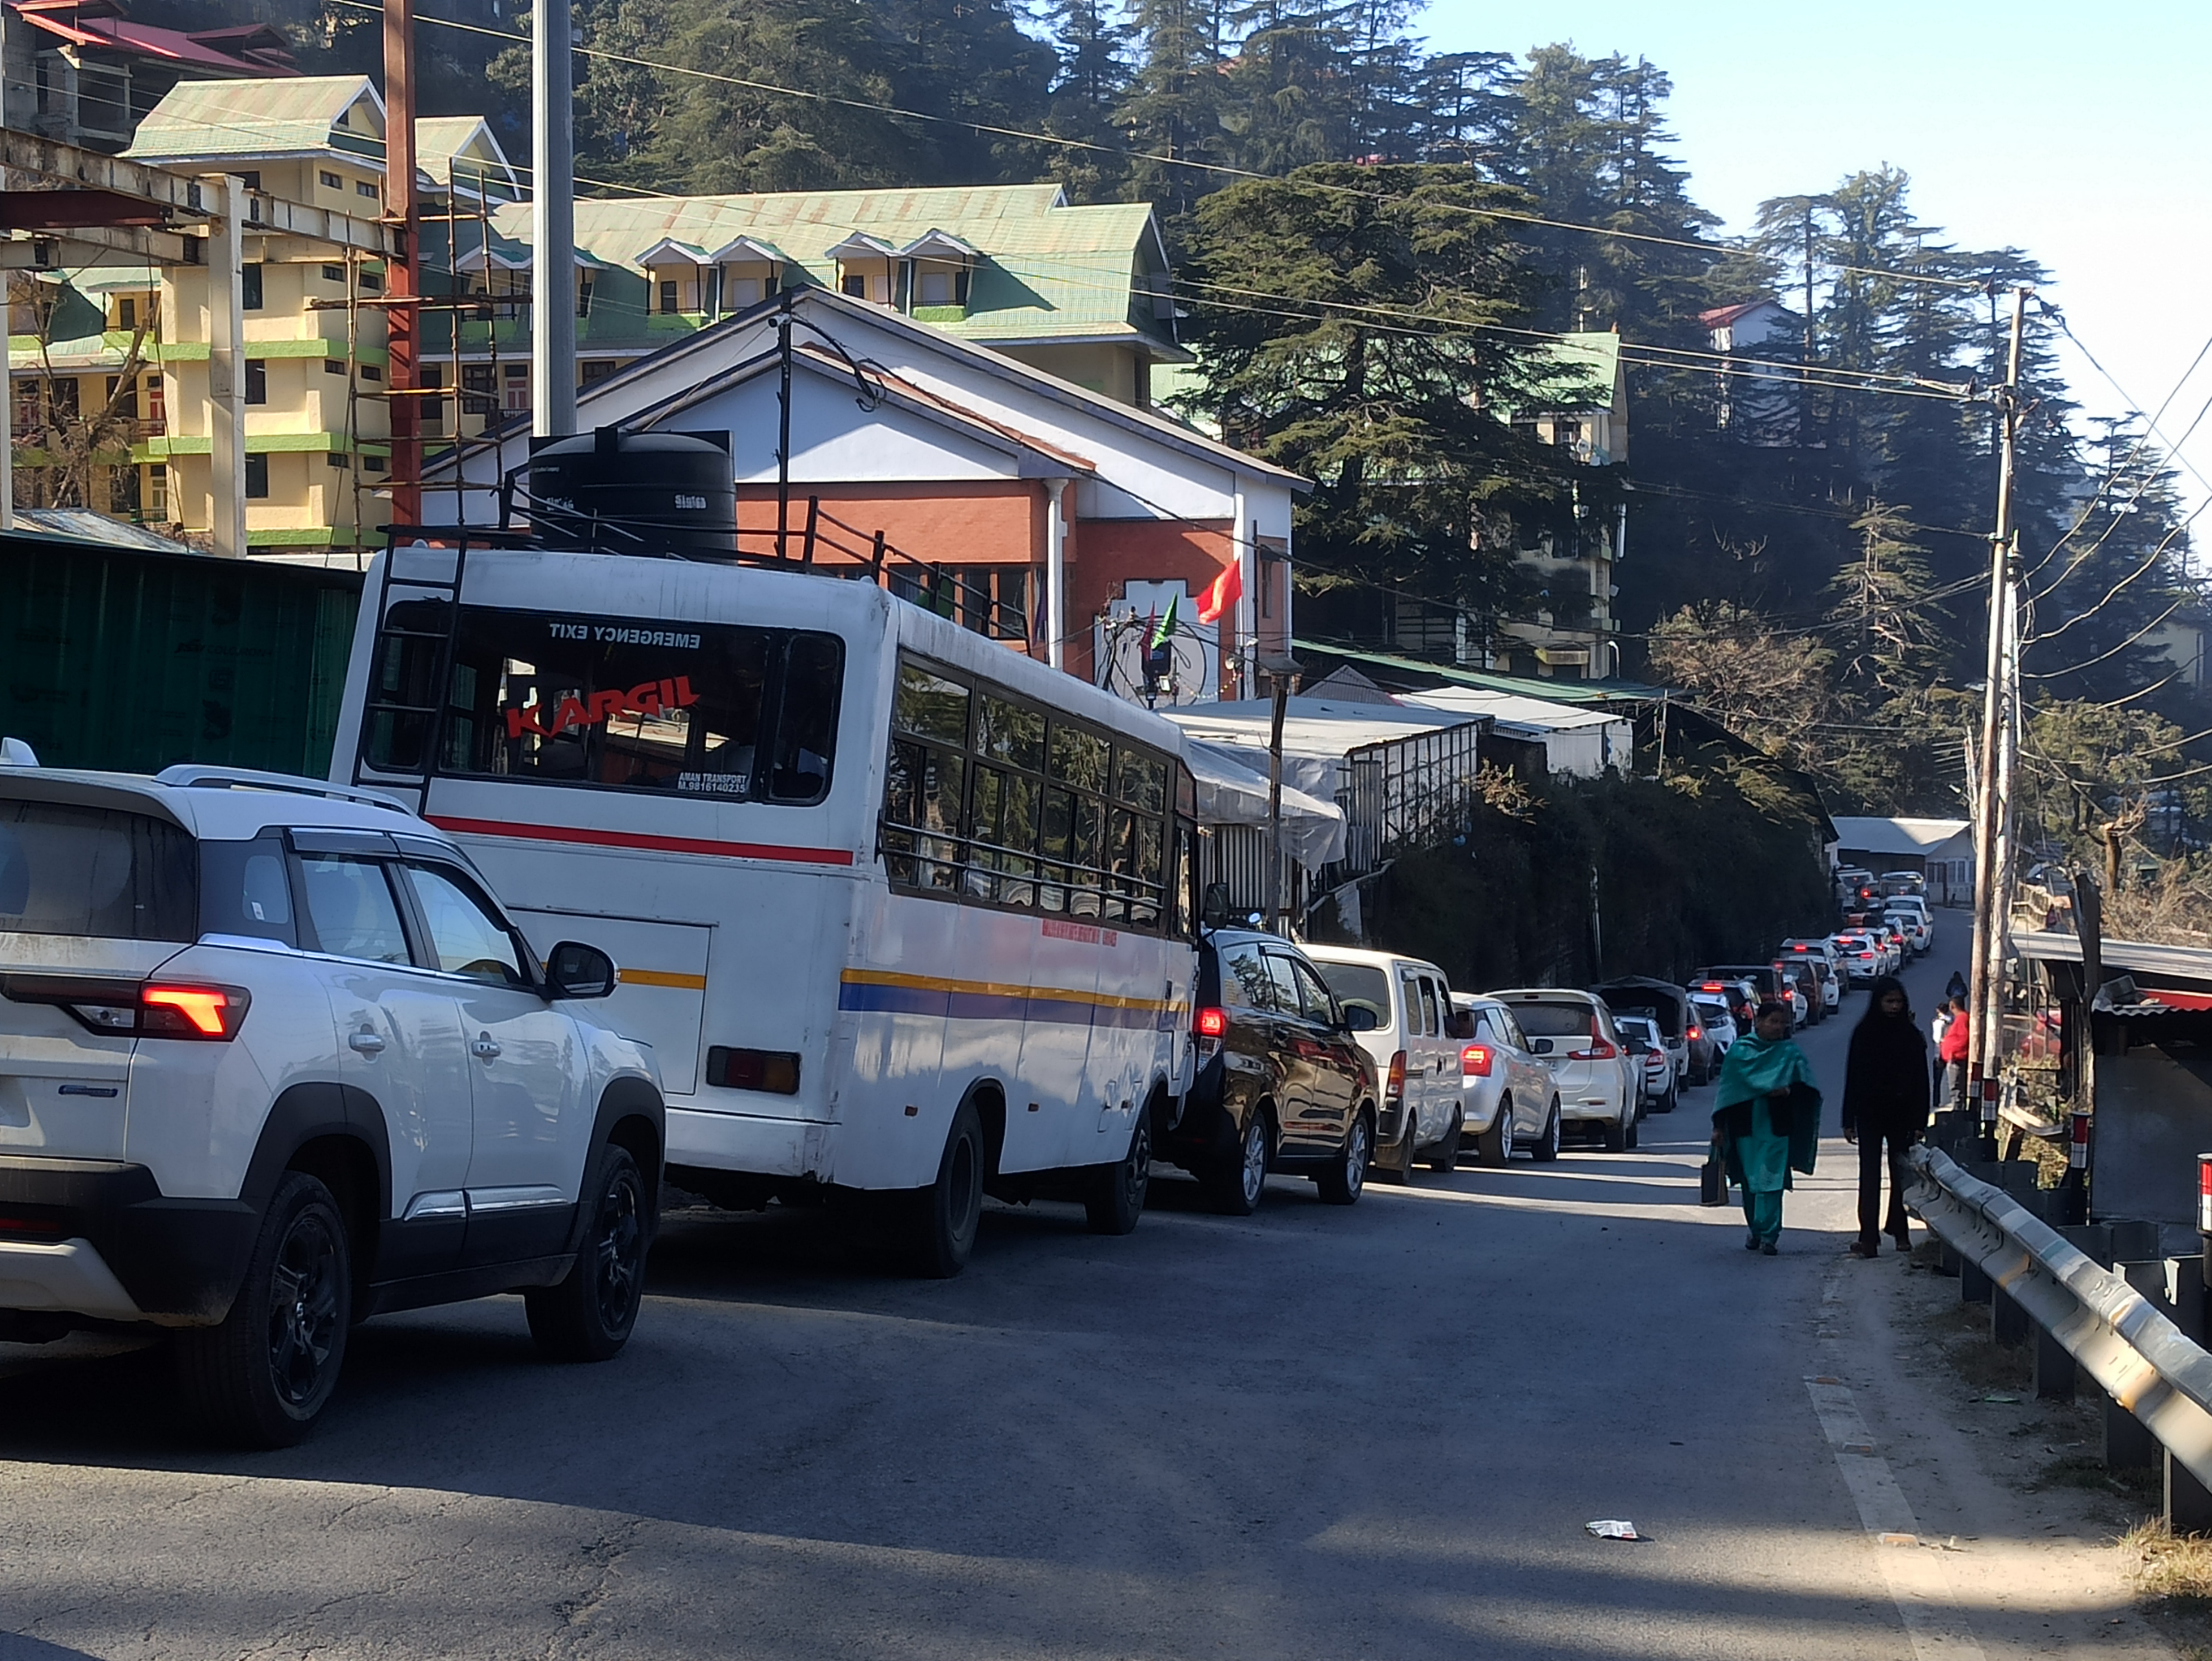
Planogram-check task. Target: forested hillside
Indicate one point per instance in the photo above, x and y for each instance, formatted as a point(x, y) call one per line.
point(1372, 242)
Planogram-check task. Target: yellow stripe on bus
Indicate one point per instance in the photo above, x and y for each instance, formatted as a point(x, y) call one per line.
point(998, 989)
point(663, 977)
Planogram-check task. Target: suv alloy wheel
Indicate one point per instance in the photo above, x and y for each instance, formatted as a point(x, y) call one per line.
point(1233, 1188)
point(1343, 1182)
point(264, 1376)
point(589, 1315)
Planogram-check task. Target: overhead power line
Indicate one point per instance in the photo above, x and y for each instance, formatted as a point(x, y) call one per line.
point(1125, 153)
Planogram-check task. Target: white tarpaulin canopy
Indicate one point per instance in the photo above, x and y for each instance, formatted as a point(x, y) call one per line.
point(1230, 793)
point(1317, 733)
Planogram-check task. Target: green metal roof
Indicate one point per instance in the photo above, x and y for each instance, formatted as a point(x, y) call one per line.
point(1556, 691)
point(1048, 270)
point(242, 119)
point(1577, 371)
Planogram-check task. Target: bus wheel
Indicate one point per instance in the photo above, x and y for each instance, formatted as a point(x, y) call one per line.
point(941, 1223)
point(1114, 1195)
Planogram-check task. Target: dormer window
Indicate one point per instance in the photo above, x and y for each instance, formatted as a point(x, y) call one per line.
point(867, 267)
point(939, 268)
point(752, 271)
point(675, 275)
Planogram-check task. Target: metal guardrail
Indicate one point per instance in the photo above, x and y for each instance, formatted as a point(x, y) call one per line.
point(2138, 1357)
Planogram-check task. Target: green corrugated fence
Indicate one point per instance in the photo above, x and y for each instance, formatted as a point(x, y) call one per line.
point(129, 659)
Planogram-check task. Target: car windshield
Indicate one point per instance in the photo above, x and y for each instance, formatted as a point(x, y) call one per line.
point(1358, 986)
point(1553, 1020)
point(94, 871)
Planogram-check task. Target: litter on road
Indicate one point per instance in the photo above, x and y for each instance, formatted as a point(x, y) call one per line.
point(1614, 1529)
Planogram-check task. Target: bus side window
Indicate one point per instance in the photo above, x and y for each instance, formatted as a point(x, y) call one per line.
point(930, 705)
point(806, 728)
point(922, 815)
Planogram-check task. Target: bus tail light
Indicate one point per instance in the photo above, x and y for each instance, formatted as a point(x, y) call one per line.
point(1395, 1085)
point(775, 1071)
point(1475, 1059)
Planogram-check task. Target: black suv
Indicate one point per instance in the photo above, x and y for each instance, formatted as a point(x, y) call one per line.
point(1282, 1085)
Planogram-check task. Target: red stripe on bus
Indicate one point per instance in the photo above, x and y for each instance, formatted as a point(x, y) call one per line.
point(735, 850)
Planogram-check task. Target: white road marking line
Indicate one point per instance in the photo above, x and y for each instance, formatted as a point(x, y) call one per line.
point(1918, 1584)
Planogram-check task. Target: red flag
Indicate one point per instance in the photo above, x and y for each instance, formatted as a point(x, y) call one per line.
point(1226, 590)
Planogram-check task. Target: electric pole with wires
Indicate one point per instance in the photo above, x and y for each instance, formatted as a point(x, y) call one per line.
point(1994, 853)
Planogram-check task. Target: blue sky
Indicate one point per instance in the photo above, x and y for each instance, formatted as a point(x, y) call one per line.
point(2081, 133)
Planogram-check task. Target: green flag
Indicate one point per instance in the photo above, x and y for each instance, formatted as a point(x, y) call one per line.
point(1163, 631)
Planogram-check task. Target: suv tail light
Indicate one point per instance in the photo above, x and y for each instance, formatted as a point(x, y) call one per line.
point(1211, 1023)
point(1475, 1059)
point(1599, 1050)
point(1395, 1085)
point(1695, 1033)
point(195, 1010)
point(167, 1010)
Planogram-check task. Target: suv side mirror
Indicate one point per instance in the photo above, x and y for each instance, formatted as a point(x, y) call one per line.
point(577, 971)
point(1359, 1018)
point(1460, 1025)
point(1540, 1046)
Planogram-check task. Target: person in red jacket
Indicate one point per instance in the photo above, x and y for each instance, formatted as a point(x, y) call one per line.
point(1953, 1051)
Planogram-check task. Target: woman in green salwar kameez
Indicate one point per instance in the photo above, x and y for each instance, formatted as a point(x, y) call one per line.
point(1766, 1121)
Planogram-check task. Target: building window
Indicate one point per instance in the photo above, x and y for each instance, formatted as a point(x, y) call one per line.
point(372, 281)
point(599, 369)
point(477, 378)
point(335, 460)
point(257, 381)
point(743, 291)
point(668, 287)
point(934, 289)
point(249, 285)
point(123, 491)
point(371, 372)
point(518, 389)
point(333, 273)
point(157, 404)
point(330, 181)
point(126, 404)
point(257, 478)
point(157, 492)
point(433, 409)
point(362, 187)
point(331, 366)
point(251, 179)
point(126, 313)
point(855, 284)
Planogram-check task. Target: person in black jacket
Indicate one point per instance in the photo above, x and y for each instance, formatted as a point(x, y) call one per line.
point(1886, 1101)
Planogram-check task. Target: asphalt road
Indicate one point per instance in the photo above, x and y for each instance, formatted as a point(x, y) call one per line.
point(1312, 1433)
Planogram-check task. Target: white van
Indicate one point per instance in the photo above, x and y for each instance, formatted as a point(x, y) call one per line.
point(1415, 1041)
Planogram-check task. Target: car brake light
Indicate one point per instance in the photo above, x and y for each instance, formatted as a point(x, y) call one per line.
point(1211, 1023)
point(1696, 1033)
point(1599, 1051)
point(1475, 1059)
point(1395, 1085)
point(191, 1012)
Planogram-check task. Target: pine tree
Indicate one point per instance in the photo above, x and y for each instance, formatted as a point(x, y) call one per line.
point(1095, 76)
point(1175, 100)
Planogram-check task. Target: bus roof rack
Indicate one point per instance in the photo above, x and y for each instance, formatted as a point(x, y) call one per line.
point(189, 776)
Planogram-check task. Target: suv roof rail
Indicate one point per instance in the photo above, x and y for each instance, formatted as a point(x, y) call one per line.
point(189, 776)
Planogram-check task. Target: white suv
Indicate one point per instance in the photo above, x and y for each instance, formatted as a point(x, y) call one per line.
point(272, 1060)
point(1598, 1084)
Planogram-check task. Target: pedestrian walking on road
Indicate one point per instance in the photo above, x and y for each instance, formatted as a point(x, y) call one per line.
point(1885, 1084)
point(1957, 1043)
point(1766, 1120)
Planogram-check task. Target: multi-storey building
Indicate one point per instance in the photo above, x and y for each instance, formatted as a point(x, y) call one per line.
point(82, 72)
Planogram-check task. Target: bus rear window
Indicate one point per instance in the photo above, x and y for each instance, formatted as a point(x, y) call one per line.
point(686, 709)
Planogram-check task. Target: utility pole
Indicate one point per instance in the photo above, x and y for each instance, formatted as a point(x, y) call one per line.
point(783, 420)
point(553, 225)
point(403, 322)
point(1993, 831)
point(1282, 674)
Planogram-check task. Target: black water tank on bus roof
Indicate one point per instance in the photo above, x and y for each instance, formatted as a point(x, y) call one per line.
point(634, 493)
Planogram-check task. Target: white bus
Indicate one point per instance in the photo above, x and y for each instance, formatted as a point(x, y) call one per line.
point(898, 908)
